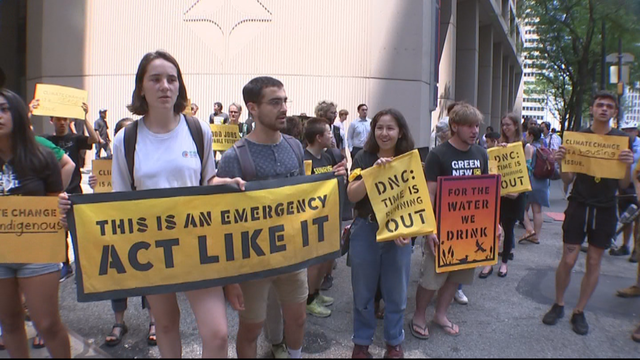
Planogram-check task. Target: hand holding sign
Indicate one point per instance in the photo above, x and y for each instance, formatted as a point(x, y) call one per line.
point(596, 155)
point(60, 101)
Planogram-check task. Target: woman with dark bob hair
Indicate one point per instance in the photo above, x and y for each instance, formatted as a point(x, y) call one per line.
point(163, 136)
point(28, 169)
point(371, 261)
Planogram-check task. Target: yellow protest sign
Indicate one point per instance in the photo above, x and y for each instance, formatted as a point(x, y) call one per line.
point(101, 169)
point(511, 164)
point(60, 101)
point(224, 136)
point(468, 214)
point(594, 155)
point(30, 230)
point(400, 198)
point(167, 240)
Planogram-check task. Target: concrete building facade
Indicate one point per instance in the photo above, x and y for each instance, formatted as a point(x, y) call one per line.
point(413, 55)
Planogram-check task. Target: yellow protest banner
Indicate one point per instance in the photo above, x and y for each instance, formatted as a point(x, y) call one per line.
point(594, 155)
point(400, 198)
point(101, 169)
point(167, 240)
point(30, 230)
point(511, 164)
point(224, 136)
point(468, 213)
point(60, 101)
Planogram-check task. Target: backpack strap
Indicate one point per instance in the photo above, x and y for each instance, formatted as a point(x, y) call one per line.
point(130, 139)
point(244, 158)
point(296, 150)
point(198, 137)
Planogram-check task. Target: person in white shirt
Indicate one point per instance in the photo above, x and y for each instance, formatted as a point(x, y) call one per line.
point(163, 138)
point(358, 131)
point(342, 117)
point(552, 140)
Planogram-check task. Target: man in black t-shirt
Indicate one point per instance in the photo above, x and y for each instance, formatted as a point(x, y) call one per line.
point(460, 156)
point(317, 133)
point(591, 213)
point(72, 144)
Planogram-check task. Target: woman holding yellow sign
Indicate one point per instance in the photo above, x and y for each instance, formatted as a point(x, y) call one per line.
point(28, 169)
point(388, 261)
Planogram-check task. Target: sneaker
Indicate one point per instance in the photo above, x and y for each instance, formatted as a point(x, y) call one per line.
point(579, 323)
point(630, 292)
point(66, 272)
point(621, 251)
point(634, 257)
point(316, 309)
point(280, 351)
point(324, 300)
point(327, 283)
point(394, 352)
point(460, 298)
point(361, 352)
point(552, 316)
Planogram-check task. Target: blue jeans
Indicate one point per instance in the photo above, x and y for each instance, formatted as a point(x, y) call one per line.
point(371, 261)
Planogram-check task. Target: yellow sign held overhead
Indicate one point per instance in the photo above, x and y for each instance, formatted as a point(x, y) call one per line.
point(30, 230)
point(511, 164)
point(594, 155)
point(60, 101)
point(400, 198)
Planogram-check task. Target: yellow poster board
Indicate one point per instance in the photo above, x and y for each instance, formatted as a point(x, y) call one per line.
point(168, 240)
point(60, 101)
point(101, 169)
point(468, 215)
point(224, 136)
point(594, 155)
point(511, 164)
point(30, 230)
point(400, 198)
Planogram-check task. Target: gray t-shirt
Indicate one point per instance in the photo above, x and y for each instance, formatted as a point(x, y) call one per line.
point(274, 161)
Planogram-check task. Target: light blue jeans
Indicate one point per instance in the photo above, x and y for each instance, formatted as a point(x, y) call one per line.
point(369, 261)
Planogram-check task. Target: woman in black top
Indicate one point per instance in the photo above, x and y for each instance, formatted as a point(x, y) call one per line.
point(388, 261)
point(28, 169)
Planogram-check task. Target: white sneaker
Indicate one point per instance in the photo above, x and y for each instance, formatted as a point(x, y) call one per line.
point(460, 298)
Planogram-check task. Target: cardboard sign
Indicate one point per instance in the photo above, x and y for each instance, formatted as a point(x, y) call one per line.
point(224, 136)
point(468, 215)
point(30, 230)
point(170, 240)
point(101, 169)
point(400, 198)
point(511, 164)
point(60, 101)
point(594, 155)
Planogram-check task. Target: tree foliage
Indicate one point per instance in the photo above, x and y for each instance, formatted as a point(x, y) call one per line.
point(568, 54)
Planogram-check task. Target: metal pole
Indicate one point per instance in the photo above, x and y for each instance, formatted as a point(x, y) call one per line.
point(603, 65)
point(620, 82)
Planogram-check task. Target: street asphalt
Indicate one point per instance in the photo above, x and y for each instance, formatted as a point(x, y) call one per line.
point(502, 319)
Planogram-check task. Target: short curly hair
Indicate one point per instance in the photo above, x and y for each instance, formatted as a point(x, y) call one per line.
point(323, 108)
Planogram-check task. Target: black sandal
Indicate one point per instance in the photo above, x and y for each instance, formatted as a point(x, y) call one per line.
point(117, 338)
point(151, 338)
point(37, 343)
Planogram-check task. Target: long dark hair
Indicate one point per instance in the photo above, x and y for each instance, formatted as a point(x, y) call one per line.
point(405, 141)
point(28, 156)
point(139, 105)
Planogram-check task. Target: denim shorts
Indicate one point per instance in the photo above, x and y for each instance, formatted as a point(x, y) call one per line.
point(8, 271)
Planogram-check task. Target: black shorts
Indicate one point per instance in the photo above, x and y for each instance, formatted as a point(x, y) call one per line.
point(598, 224)
point(627, 197)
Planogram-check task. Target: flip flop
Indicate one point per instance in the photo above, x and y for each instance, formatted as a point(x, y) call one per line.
point(527, 237)
point(416, 334)
point(484, 275)
point(448, 329)
point(151, 338)
point(38, 342)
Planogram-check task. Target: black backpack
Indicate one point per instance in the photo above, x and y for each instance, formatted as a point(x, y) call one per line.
point(246, 162)
point(131, 138)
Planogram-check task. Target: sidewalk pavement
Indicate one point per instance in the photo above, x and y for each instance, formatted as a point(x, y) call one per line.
point(502, 319)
